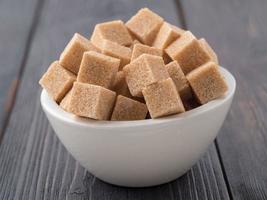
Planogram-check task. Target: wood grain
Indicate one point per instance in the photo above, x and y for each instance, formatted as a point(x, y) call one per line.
point(34, 164)
point(17, 19)
point(238, 31)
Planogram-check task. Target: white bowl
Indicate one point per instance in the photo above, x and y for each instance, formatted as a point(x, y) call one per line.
point(140, 153)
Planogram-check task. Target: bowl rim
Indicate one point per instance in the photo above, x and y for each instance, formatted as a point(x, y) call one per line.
point(56, 111)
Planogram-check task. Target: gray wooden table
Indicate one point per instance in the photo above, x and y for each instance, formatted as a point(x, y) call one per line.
point(35, 165)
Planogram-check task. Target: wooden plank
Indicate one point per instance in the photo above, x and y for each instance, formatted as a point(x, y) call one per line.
point(238, 32)
point(17, 23)
point(34, 164)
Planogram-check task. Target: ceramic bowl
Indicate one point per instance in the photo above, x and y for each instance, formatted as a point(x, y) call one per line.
point(145, 152)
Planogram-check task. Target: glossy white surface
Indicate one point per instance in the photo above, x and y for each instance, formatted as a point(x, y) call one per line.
point(145, 152)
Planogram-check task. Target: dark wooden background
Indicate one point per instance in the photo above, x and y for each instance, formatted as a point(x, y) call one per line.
point(34, 164)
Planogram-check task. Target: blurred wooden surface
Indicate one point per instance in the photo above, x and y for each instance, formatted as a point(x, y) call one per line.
point(34, 164)
point(17, 23)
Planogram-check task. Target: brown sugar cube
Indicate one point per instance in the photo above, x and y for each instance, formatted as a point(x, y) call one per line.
point(143, 71)
point(167, 34)
point(207, 82)
point(140, 49)
point(162, 99)
point(145, 25)
point(179, 80)
point(177, 44)
point(64, 104)
point(134, 38)
point(205, 45)
point(98, 69)
point(128, 109)
point(91, 101)
point(57, 81)
point(188, 52)
point(177, 29)
point(72, 55)
point(117, 51)
point(120, 86)
point(114, 31)
point(134, 43)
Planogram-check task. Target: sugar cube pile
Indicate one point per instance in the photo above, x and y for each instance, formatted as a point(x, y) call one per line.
point(144, 68)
